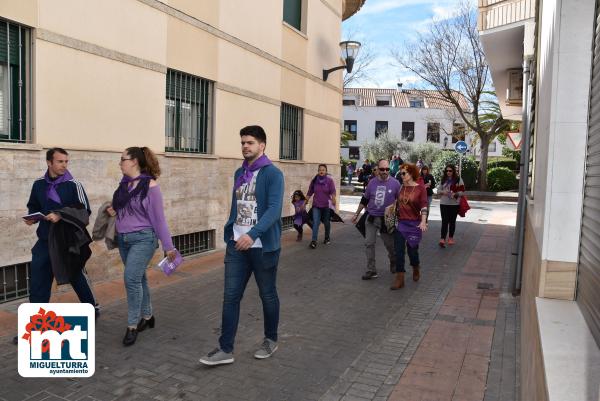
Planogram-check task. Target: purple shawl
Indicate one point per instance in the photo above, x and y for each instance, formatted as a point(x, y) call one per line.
point(246, 177)
point(410, 231)
point(52, 184)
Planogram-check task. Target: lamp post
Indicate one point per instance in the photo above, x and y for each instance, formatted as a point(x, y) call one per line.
point(349, 50)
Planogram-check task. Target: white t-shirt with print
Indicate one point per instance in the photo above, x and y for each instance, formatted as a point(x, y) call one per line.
point(247, 210)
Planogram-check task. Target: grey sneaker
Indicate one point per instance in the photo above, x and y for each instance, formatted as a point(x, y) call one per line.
point(217, 357)
point(266, 349)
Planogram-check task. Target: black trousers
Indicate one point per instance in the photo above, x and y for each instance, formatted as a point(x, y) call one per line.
point(449, 214)
point(298, 228)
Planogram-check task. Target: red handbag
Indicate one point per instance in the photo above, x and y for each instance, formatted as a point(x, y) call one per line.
point(463, 206)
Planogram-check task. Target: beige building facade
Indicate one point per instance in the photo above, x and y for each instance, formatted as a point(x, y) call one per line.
point(544, 58)
point(179, 76)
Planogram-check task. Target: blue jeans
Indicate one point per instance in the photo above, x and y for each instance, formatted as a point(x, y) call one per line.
point(413, 253)
point(318, 214)
point(137, 249)
point(40, 283)
point(239, 266)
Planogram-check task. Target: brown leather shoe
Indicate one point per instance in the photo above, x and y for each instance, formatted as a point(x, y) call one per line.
point(416, 273)
point(398, 281)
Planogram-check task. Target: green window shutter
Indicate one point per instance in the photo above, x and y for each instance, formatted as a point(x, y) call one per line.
point(292, 13)
point(13, 33)
point(14, 38)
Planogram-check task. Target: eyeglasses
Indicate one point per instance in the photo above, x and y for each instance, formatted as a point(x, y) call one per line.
point(123, 159)
point(384, 169)
point(403, 173)
point(450, 171)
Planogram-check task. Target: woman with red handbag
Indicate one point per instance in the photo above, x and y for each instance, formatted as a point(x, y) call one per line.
point(451, 190)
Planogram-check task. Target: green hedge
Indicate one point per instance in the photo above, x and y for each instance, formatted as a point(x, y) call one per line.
point(469, 167)
point(501, 179)
point(508, 163)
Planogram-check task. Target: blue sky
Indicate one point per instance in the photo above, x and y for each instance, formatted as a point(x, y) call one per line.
point(383, 25)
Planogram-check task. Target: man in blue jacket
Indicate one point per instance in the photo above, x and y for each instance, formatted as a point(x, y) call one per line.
point(55, 190)
point(252, 234)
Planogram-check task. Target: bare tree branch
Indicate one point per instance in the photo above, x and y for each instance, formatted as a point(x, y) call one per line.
point(449, 58)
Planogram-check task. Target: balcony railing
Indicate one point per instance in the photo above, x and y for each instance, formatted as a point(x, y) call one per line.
point(496, 13)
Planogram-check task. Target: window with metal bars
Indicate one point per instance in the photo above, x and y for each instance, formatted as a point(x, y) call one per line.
point(188, 113)
point(433, 132)
point(381, 127)
point(290, 140)
point(194, 243)
point(14, 82)
point(15, 281)
point(350, 127)
point(408, 131)
point(287, 222)
point(458, 132)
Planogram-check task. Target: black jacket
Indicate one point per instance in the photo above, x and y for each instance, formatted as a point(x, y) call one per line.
point(69, 243)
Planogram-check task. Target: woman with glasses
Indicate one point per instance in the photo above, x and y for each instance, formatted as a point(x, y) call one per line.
point(450, 190)
point(411, 211)
point(140, 221)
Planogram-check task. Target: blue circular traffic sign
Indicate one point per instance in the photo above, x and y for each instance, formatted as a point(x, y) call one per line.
point(461, 147)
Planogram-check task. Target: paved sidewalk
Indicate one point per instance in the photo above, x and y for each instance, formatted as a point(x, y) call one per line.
point(341, 338)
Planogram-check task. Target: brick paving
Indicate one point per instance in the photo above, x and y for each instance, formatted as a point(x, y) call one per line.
point(341, 338)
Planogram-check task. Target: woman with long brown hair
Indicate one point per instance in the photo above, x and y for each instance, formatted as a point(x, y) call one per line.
point(411, 212)
point(450, 190)
point(138, 206)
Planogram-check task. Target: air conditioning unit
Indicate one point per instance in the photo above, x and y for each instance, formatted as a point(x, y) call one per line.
point(514, 90)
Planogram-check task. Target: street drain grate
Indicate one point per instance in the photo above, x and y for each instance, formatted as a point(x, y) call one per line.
point(485, 286)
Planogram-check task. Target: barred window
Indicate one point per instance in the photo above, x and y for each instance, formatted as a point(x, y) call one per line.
point(408, 131)
point(350, 127)
point(15, 281)
point(433, 132)
point(381, 127)
point(458, 132)
point(188, 113)
point(290, 141)
point(194, 243)
point(14, 82)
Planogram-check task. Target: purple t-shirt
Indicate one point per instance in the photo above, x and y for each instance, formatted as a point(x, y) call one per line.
point(381, 194)
point(323, 189)
point(149, 214)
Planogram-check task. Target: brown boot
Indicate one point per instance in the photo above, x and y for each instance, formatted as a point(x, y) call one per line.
point(416, 273)
point(398, 282)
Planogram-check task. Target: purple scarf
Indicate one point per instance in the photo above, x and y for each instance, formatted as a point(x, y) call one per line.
point(246, 177)
point(52, 184)
point(410, 231)
point(122, 197)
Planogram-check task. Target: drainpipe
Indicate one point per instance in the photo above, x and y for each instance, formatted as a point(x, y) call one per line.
point(517, 268)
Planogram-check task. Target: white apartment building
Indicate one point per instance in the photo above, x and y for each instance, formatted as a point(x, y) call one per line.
point(414, 116)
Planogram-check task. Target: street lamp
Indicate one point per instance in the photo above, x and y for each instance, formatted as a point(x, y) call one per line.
point(349, 53)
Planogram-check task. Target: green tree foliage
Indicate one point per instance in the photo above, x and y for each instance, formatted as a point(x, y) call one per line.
point(427, 152)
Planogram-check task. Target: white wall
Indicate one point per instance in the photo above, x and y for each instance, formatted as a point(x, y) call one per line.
point(564, 69)
point(366, 116)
